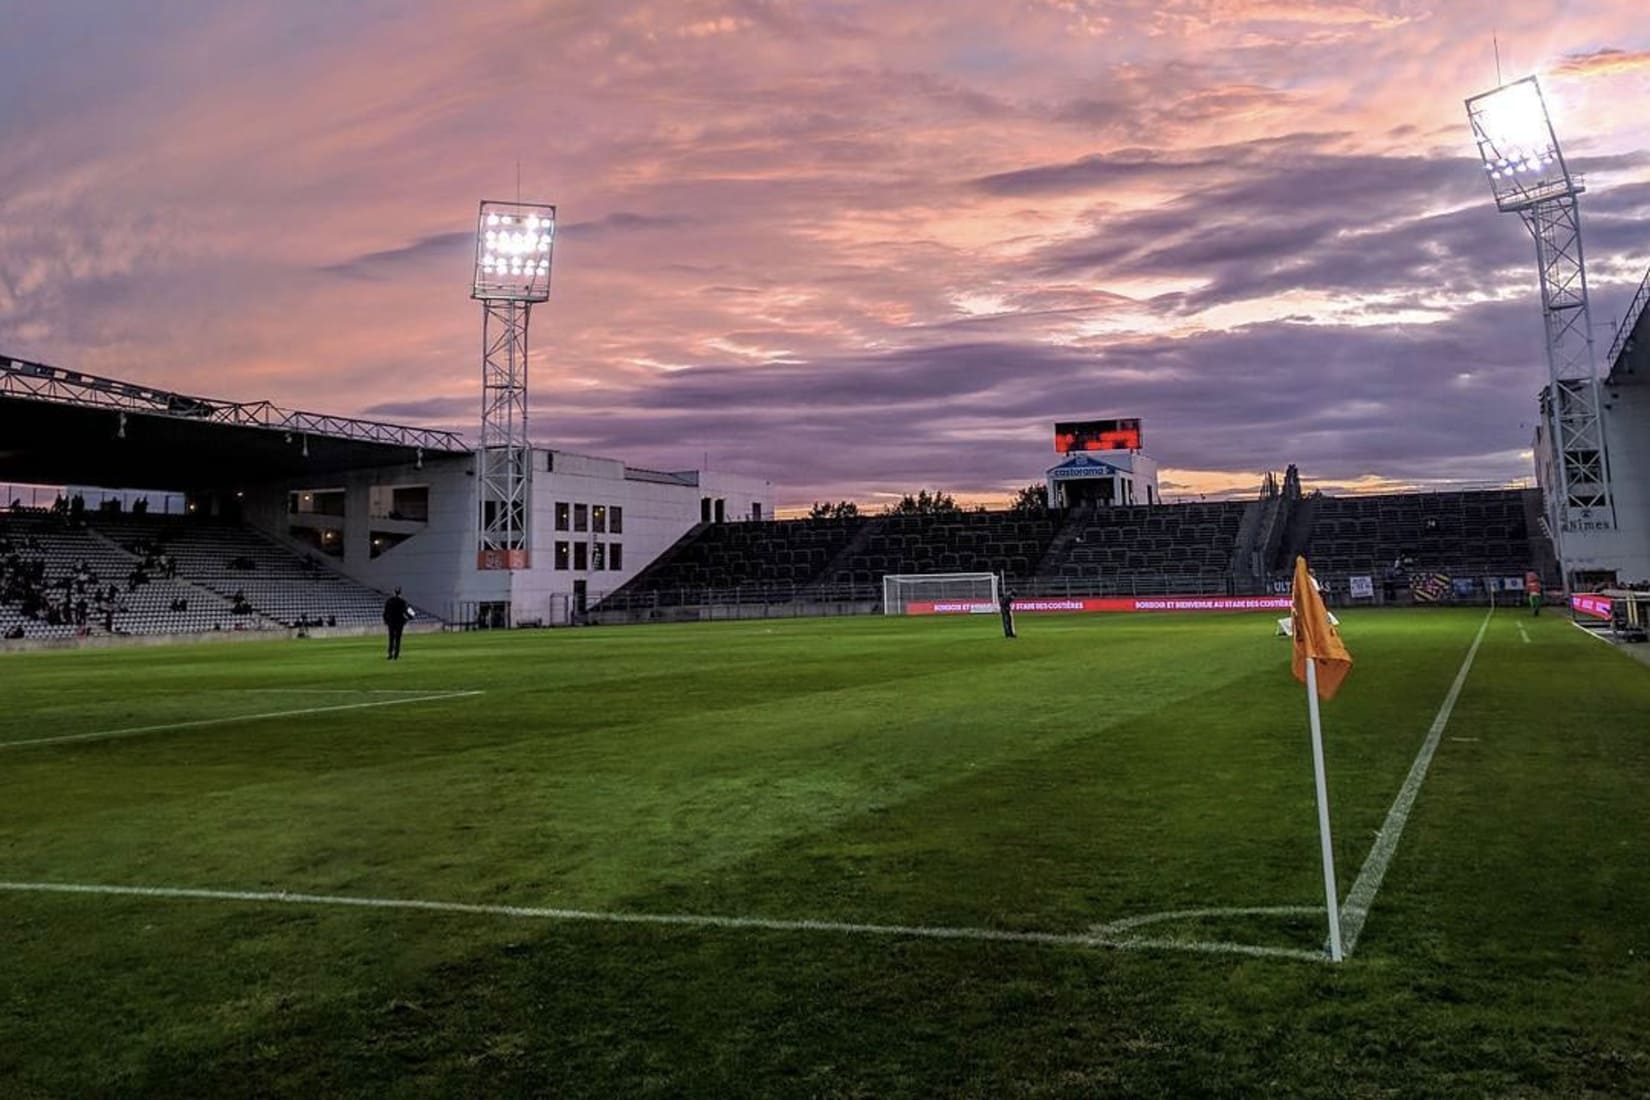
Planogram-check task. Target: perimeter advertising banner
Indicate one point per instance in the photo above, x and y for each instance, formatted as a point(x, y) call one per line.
point(1104, 603)
point(1599, 607)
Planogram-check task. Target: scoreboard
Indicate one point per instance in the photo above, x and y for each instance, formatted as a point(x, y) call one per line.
point(1097, 435)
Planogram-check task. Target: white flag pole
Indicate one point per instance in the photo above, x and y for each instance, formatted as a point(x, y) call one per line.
point(1330, 893)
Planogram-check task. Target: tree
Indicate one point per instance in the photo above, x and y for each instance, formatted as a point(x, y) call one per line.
point(1032, 498)
point(925, 504)
point(842, 509)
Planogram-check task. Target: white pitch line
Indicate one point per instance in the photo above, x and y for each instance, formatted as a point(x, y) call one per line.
point(1522, 633)
point(1130, 923)
point(322, 691)
point(1593, 634)
point(107, 735)
point(1358, 901)
point(679, 920)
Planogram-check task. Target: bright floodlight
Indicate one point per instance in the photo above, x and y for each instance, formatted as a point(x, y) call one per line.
point(513, 245)
point(1516, 142)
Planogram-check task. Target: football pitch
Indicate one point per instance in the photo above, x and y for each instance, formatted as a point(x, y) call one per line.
point(847, 857)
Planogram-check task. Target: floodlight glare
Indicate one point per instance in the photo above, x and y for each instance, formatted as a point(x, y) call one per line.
point(1518, 146)
point(507, 234)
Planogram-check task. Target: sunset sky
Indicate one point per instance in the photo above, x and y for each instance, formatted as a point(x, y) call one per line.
point(856, 247)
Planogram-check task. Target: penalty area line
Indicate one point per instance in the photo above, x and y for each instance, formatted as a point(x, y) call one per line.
point(1368, 883)
point(675, 920)
point(197, 723)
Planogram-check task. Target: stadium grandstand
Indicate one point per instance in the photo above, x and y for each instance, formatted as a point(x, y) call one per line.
point(1482, 540)
point(289, 520)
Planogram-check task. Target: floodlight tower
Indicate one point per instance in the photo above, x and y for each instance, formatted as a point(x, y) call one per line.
point(512, 271)
point(1529, 177)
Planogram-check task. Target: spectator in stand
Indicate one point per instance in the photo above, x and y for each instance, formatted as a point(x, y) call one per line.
point(396, 614)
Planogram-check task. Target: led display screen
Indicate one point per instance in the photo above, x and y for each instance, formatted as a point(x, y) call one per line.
point(1097, 435)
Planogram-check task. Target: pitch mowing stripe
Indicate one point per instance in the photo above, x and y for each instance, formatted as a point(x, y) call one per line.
point(678, 920)
point(1356, 910)
point(196, 723)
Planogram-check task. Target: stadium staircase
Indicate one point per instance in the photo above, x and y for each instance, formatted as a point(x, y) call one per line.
point(1297, 519)
point(1248, 547)
point(1542, 550)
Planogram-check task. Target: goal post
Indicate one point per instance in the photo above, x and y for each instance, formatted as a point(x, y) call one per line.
point(938, 593)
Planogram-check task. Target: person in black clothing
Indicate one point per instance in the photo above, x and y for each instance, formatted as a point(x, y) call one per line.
point(396, 614)
point(1005, 602)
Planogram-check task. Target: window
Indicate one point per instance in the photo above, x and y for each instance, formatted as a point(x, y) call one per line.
point(563, 552)
point(581, 556)
point(615, 556)
point(598, 517)
point(581, 517)
point(399, 502)
point(384, 540)
point(598, 556)
point(615, 520)
point(317, 502)
point(561, 515)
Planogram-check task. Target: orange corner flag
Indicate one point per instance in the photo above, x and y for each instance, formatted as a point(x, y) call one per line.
point(1315, 636)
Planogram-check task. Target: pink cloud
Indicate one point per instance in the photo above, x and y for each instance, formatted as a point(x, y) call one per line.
point(272, 202)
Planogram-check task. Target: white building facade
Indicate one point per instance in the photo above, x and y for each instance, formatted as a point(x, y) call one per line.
point(1599, 549)
point(595, 523)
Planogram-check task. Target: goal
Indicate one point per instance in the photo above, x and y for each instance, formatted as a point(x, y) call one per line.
point(938, 593)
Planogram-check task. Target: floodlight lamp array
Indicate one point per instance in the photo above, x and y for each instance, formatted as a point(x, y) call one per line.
point(513, 247)
point(1516, 142)
point(1517, 136)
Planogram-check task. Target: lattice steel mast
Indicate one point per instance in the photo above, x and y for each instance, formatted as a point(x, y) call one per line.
point(1529, 177)
point(512, 271)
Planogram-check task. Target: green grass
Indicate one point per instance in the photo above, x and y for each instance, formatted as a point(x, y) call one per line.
point(877, 771)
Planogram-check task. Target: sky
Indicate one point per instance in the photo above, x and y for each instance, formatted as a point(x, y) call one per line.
point(855, 247)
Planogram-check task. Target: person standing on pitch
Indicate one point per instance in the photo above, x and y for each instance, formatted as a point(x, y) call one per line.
point(1532, 587)
point(1005, 603)
point(396, 614)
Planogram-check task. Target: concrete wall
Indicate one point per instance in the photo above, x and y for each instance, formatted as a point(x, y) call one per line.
point(434, 567)
point(1625, 550)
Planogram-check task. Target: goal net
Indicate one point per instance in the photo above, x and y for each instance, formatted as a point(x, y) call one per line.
point(939, 593)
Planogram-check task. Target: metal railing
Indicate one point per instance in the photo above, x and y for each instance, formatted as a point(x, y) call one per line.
point(1625, 332)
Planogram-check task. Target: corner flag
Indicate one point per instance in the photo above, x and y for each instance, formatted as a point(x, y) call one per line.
point(1315, 636)
point(1321, 662)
